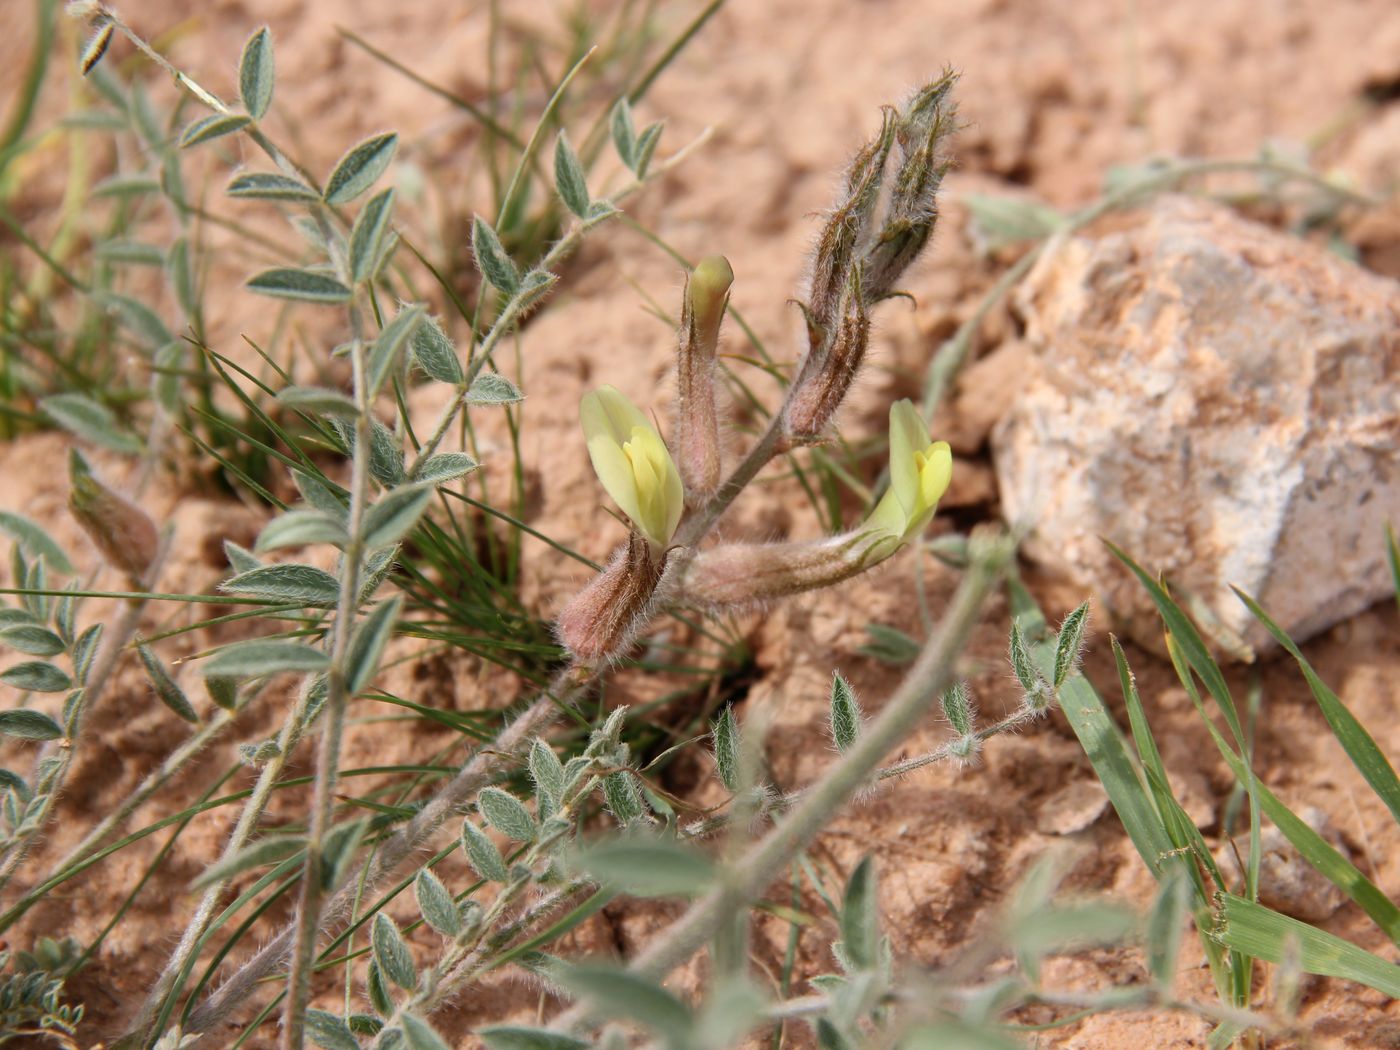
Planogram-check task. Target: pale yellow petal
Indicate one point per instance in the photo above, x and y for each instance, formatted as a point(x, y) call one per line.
point(614, 470)
point(908, 435)
point(935, 473)
point(608, 411)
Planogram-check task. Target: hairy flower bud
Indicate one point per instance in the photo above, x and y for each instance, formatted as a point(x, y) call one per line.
point(633, 463)
point(818, 392)
point(122, 531)
point(740, 574)
point(846, 230)
point(601, 621)
point(921, 129)
point(920, 472)
point(697, 422)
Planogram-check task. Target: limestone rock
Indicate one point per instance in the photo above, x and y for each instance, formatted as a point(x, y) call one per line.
point(1223, 402)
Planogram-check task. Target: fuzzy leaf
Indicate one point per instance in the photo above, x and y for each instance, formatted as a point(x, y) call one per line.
point(506, 813)
point(648, 867)
point(1001, 221)
point(515, 1037)
point(85, 650)
point(257, 658)
point(436, 903)
point(860, 918)
point(37, 676)
point(957, 708)
point(84, 417)
point(491, 388)
point(329, 1032)
point(126, 186)
point(367, 235)
point(391, 952)
point(286, 582)
point(623, 798)
point(1070, 642)
point(617, 993)
point(214, 126)
point(889, 645)
point(1021, 663)
point(624, 134)
point(725, 735)
point(240, 559)
point(367, 646)
point(269, 186)
point(384, 352)
point(167, 691)
point(435, 354)
point(569, 177)
point(31, 639)
point(307, 286)
point(318, 400)
point(137, 318)
point(482, 853)
point(297, 528)
point(419, 1035)
point(360, 168)
point(646, 147)
point(257, 73)
point(491, 258)
point(547, 772)
point(29, 725)
point(845, 713)
point(387, 521)
point(443, 467)
point(34, 541)
point(223, 691)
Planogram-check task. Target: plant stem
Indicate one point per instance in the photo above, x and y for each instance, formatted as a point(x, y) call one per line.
point(313, 879)
point(453, 798)
point(930, 674)
point(159, 1002)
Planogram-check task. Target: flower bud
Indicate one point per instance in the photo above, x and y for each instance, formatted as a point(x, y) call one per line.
point(122, 531)
point(819, 391)
point(846, 229)
point(697, 424)
point(921, 129)
point(601, 621)
point(633, 464)
point(919, 475)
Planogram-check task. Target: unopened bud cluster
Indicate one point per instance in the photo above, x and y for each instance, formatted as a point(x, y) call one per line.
point(885, 215)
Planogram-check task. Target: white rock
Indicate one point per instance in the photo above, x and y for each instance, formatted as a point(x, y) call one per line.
point(1223, 402)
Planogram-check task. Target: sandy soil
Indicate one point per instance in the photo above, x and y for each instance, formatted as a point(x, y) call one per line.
point(1053, 96)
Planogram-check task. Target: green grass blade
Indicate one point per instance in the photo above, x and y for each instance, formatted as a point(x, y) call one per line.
point(1103, 743)
point(1265, 934)
point(1359, 745)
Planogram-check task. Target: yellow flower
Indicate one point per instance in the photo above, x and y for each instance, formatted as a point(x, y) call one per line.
point(919, 475)
point(633, 463)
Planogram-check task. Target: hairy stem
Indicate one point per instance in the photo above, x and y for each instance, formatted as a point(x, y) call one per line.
point(930, 674)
